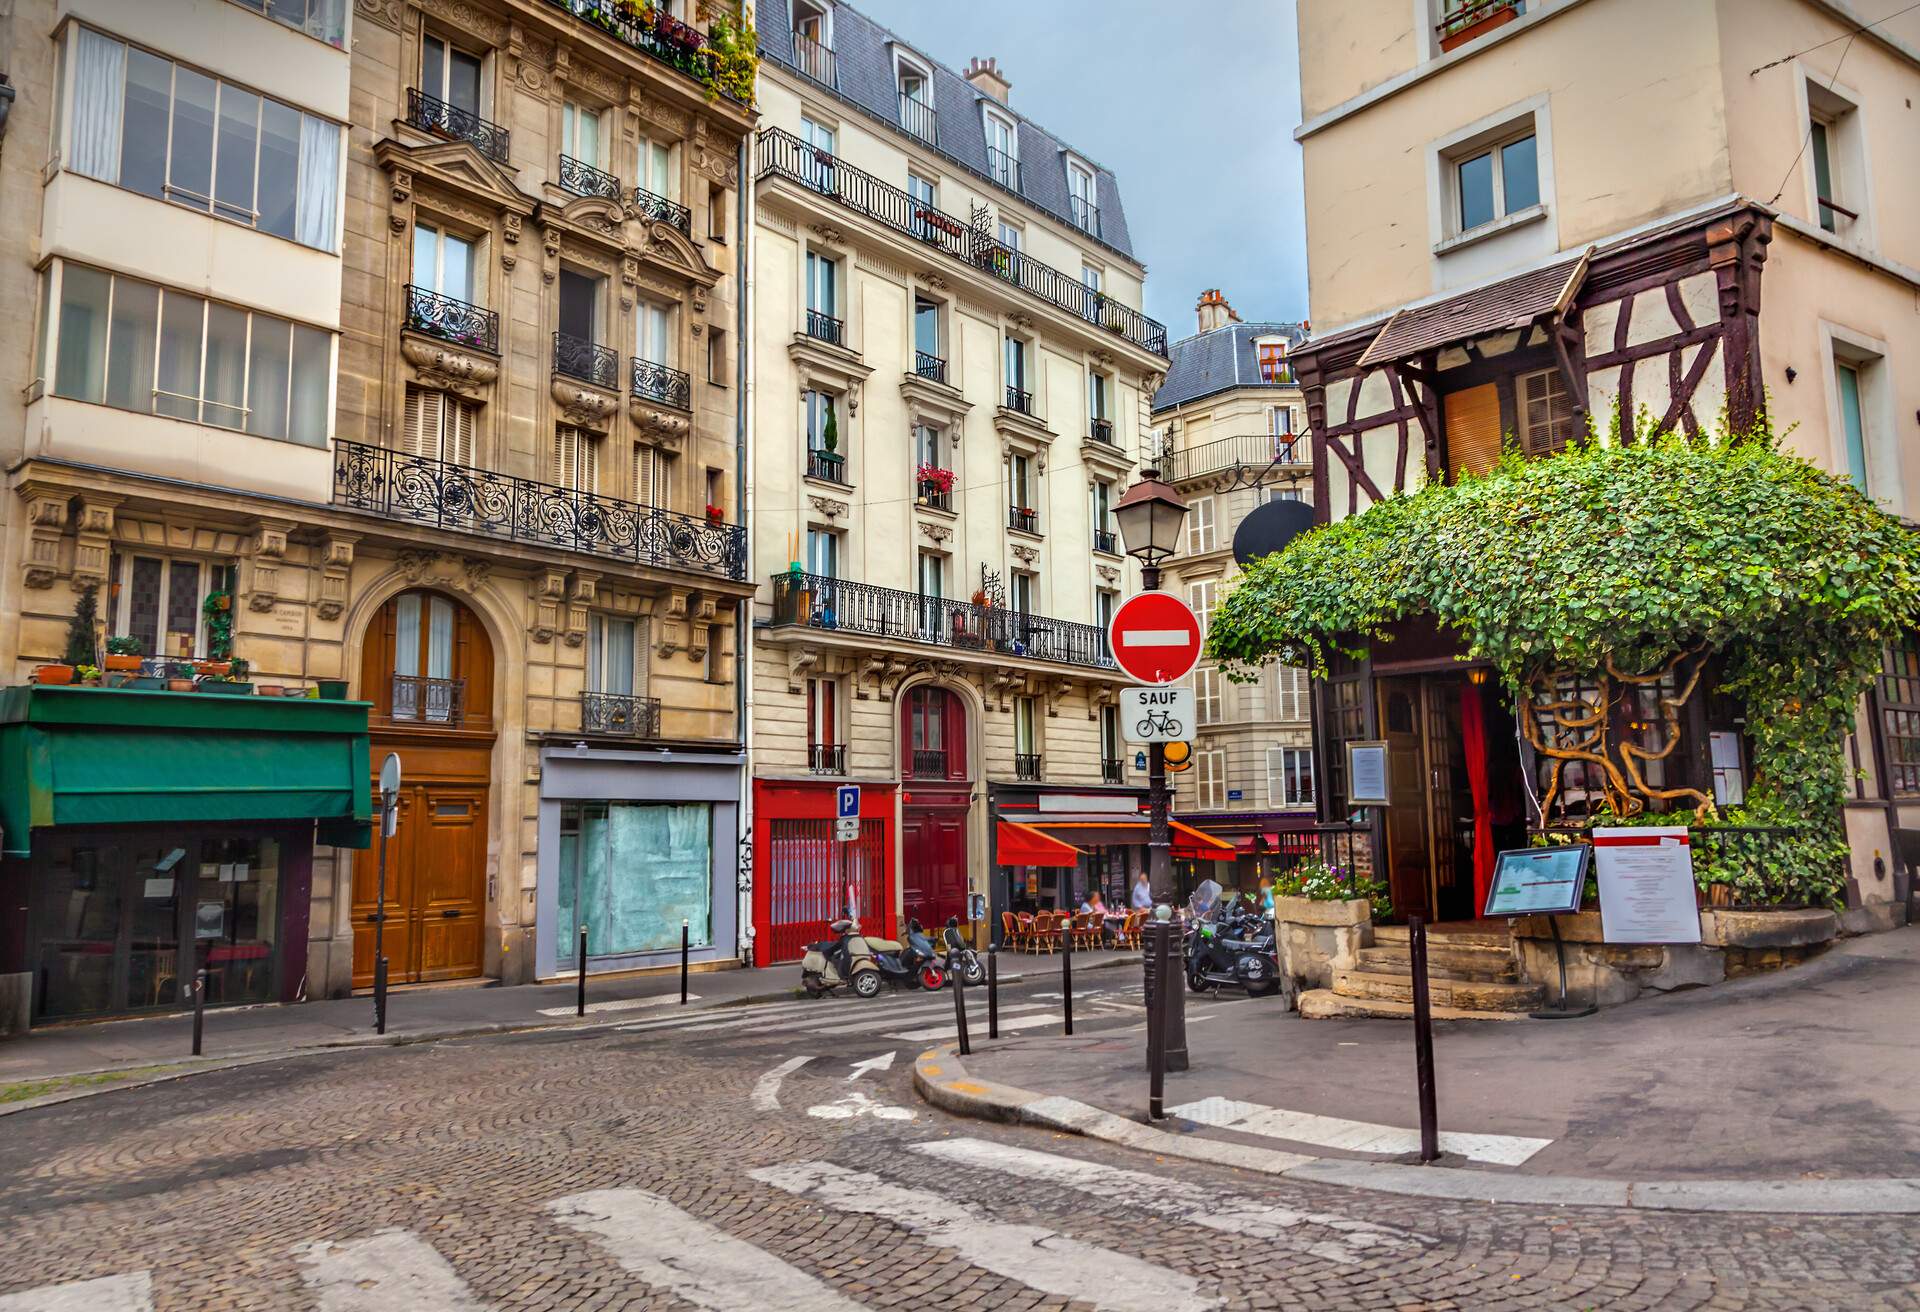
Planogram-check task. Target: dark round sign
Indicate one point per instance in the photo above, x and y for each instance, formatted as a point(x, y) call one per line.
point(1268, 528)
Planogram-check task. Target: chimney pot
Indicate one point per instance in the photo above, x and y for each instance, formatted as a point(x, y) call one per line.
point(1213, 310)
point(984, 76)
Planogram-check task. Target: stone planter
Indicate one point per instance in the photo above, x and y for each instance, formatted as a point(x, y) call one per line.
point(1732, 943)
point(1314, 939)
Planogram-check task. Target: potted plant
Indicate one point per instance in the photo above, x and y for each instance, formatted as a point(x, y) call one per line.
point(180, 676)
point(123, 653)
point(217, 612)
point(87, 674)
point(830, 436)
point(332, 690)
point(715, 514)
point(1473, 18)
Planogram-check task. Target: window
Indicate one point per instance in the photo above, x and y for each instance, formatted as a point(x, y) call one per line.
point(1016, 362)
point(823, 553)
point(652, 476)
point(927, 446)
point(1207, 705)
point(1022, 592)
point(653, 338)
point(1497, 180)
point(926, 329)
point(148, 124)
point(1899, 689)
point(130, 344)
point(823, 276)
point(1090, 278)
point(1020, 484)
point(1003, 149)
point(1289, 776)
point(580, 134)
point(717, 356)
point(1025, 740)
point(1854, 377)
point(1546, 412)
point(1200, 530)
point(933, 574)
point(444, 263)
point(921, 192)
point(1080, 198)
point(1010, 235)
point(1096, 395)
point(1287, 494)
point(1729, 772)
point(716, 487)
point(1210, 778)
point(1287, 693)
point(822, 420)
point(1201, 598)
point(1834, 154)
point(1110, 745)
point(161, 601)
point(1102, 506)
point(1272, 357)
point(579, 305)
point(716, 213)
point(613, 655)
point(655, 161)
point(451, 74)
point(818, 162)
point(916, 102)
point(813, 41)
point(1105, 602)
point(325, 20)
point(823, 713)
point(439, 426)
point(574, 461)
point(1280, 421)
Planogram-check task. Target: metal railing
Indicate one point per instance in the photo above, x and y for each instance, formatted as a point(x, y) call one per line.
point(451, 320)
point(583, 179)
point(658, 382)
point(826, 758)
point(919, 118)
point(666, 39)
point(655, 208)
point(928, 763)
point(1105, 539)
point(431, 114)
point(418, 700)
point(784, 155)
point(1463, 16)
point(1250, 451)
point(814, 601)
point(824, 327)
point(1003, 168)
point(828, 466)
point(815, 61)
point(420, 489)
point(1026, 765)
point(620, 713)
point(1113, 770)
point(1027, 521)
point(932, 494)
point(1101, 431)
point(930, 367)
point(1018, 399)
point(576, 357)
point(1086, 215)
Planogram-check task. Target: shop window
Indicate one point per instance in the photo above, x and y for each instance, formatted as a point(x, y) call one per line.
point(631, 872)
point(162, 602)
point(1899, 696)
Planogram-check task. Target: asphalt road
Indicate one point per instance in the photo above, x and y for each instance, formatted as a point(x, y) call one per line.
point(777, 1158)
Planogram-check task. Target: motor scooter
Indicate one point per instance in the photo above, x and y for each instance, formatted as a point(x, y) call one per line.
point(910, 963)
point(961, 959)
point(845, 961)
point(1236, 952)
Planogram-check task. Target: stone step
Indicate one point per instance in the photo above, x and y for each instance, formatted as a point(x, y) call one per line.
point(1468, 963)
point(1325, 1004)
point(1396, 935)
point(1469, 995)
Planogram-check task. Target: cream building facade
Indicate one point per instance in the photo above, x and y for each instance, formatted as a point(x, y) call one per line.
point(952, 379)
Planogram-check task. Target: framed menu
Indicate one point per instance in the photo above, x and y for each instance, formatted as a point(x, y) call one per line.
point(1538, 881)
point(1646, 885)
point(1367, 773)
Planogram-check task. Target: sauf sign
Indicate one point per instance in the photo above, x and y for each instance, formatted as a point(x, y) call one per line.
point(1156, 715)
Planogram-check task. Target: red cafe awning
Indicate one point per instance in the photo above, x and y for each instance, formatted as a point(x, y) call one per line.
point(1188, 843)
point(1023, 845)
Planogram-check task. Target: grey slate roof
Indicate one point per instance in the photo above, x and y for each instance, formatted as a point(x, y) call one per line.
point(863, 56)
point(1217, 361)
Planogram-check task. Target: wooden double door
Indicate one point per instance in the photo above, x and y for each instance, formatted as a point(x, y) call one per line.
point(933, 855)
point(1429, 816)
point(436, 895)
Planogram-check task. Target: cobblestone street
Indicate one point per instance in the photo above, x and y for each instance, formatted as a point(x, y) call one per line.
point(683, 1163)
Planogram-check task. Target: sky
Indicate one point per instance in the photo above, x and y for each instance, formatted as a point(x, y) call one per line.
point(1192, 106)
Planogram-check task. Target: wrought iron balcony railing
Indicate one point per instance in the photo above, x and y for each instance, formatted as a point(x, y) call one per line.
point(928, 763)
point(815, 61)
point(422, 490)
point(1026, 765)
point(784, 155)
point(658, 382)
point(1086, 215)
point(418, 700)
point(1003, 168)
point(826, 758)
point(620, 713)
point(814, 601)
point(1105, 539)
point(1101, 431)
point(1113, 770)
point(829, 466)
point(1027, 521)
point(826, 328)
point(655, 208)
point(1253, 451)
point(930, 367)
point(932, 494)
point(583, 179)
point(576, 357)
point(1019, 399)
point(666, 39)
point(919, 118)
point(431, 114)
point(452, 321)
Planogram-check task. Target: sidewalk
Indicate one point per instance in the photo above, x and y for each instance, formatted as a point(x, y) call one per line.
point(1809, 1074)
point(414, 1014)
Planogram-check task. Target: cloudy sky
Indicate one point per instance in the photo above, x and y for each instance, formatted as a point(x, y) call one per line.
point(1193, 106)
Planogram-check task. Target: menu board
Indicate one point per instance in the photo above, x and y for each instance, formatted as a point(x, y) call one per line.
point(1646, 885)
point(1538, 881)
point(1367, 773)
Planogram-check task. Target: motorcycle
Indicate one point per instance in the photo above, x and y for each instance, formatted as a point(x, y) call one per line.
point(847, 960)
point(1237, 951)
point(912, 962)
point(962, 960)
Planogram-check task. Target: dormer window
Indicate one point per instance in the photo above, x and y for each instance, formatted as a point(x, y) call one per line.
point(915, 85)
point(1081, 194)
point(1271, 354)
point(813, 42)
point(1003, 148)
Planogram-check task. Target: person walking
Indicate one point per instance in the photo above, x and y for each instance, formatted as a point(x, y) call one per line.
point(1142, 893)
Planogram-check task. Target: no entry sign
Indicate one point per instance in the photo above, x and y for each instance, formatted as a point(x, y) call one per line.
point(1155, 637)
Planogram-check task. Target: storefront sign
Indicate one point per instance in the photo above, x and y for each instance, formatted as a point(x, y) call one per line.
point(1538, 881)
point(1367, 773)
point(1646, 885)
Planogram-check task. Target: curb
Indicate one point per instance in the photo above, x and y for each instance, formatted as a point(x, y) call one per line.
point(941, 1079)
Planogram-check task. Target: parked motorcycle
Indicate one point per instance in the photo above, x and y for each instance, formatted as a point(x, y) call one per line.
point(912, 962)
point(962, 960)
point(1239, 951)
point(845, 961)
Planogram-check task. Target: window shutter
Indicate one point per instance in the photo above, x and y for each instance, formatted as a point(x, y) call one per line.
point(457, 444)
point(564, 469)
point(1473, 429)
point(643, 466)
point(589, 448)
point(420, 434)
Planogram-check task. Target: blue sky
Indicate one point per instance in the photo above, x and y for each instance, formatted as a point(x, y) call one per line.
point(1193, 106)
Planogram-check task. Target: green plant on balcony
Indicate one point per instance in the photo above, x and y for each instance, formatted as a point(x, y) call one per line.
point(830, 435)
point(217, 611)
point(83, 627)
point(733, 55)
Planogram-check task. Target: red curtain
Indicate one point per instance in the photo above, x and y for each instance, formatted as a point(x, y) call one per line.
point(1473, 737)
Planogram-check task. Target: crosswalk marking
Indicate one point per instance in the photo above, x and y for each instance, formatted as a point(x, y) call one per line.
point(618, 1004)
point(1353, 1136)
point(697, 1262)
point(1040, 1259)
point(386, 1270)
point(125, 1293)
point(1202, 1205)
point(1010, 1018)
point(1045, 1016)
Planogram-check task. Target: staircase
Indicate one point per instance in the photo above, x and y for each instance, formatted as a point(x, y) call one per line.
point(1470, 976)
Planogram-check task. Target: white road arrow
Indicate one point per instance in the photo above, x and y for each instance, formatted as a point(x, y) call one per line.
point(872, 1064)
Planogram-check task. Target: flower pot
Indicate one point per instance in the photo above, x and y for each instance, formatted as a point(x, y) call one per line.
point(219, 669)
point(114, 661)
point(224, 601)
point(225, 686)
point(179, 685)
point(333, 690)
point(53, 674)
point(269, 690)
point(147, 683)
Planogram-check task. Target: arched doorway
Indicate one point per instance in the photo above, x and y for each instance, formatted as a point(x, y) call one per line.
point(427, 667)
point(937, 781)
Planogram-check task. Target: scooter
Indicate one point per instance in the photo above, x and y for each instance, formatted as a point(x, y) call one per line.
point(910, 963)
point(961, 959)
point(1237, 953)
point(845, 961)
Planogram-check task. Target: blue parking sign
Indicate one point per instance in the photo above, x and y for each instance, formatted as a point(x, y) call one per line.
point(849, 801)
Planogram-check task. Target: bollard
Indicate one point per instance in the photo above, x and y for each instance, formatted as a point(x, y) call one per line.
point(199, 1002)
point(960, 1012)
point(686, 941)
point(1423, 1040)
point(1066, 975)
point(380, 995)
point(581, 1008)
point(1157, 961)
point(993, 991)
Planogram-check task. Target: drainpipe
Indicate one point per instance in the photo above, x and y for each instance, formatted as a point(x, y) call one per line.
point(742, 616)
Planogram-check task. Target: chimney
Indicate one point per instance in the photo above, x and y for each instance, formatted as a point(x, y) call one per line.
point(984, 76)
point(1214, 311)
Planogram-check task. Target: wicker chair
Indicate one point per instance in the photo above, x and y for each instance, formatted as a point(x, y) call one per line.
point(1025, 935)
point(1011, 934)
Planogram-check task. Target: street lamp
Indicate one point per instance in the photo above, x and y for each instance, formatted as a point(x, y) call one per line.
point(1150, 514)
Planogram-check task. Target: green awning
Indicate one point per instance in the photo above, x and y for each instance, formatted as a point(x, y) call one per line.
point(108, 756)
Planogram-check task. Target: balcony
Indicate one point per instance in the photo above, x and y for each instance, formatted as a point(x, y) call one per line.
point(930, 367)
point(835, 605)
point(1113, 770)
point(828, 467)
point(815, 61)
point(619, 714)
point(1003, 168)
point(430, 114)
point(928, 763)
point(655, 208)
point(1254, 451)
point(784, 155)
point(1086, 215)
point(1468, 20)
point(933, 495)
point(583, 179)
point(826, 758)
point(1026, 521)
point(825, 328)
point(460, 498)
point(918, 117)
point(1019, 400)
point(578, 358)
point(1026, 766)
point(1105, 539)
point(434, 315)
point(1101, 431)
point(657, 382)
point(654, 33)
point(438, 702)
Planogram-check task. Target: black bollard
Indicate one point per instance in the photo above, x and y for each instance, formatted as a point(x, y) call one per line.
point(686, 942)
point(199, 1001)
point(1423, 1040)
point(993, 991)
point(960, 1012)
point(1066, 976)
point(1158, 938)
point(380, 995)
point(581, 1008)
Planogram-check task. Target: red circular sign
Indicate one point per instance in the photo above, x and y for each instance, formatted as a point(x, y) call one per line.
point(1155, 637)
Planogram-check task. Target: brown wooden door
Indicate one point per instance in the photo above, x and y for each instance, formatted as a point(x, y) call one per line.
point(396, 941)
point(447, 856)
point(1409, 851)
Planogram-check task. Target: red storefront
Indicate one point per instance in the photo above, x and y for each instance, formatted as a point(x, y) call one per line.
point(804, 879)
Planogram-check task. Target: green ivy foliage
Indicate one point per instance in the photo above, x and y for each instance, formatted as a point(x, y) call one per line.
point(1630, 551)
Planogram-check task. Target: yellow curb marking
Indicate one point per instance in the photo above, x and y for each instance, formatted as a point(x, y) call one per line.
point(930, 1070)
point(967, 1086)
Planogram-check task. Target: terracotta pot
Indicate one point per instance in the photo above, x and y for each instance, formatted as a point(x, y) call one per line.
point(224, 603)
point(220, 668)
point(179, 685)
point(1478, 27)
point(53, 674)
point(268, 690)
point(114, 661)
